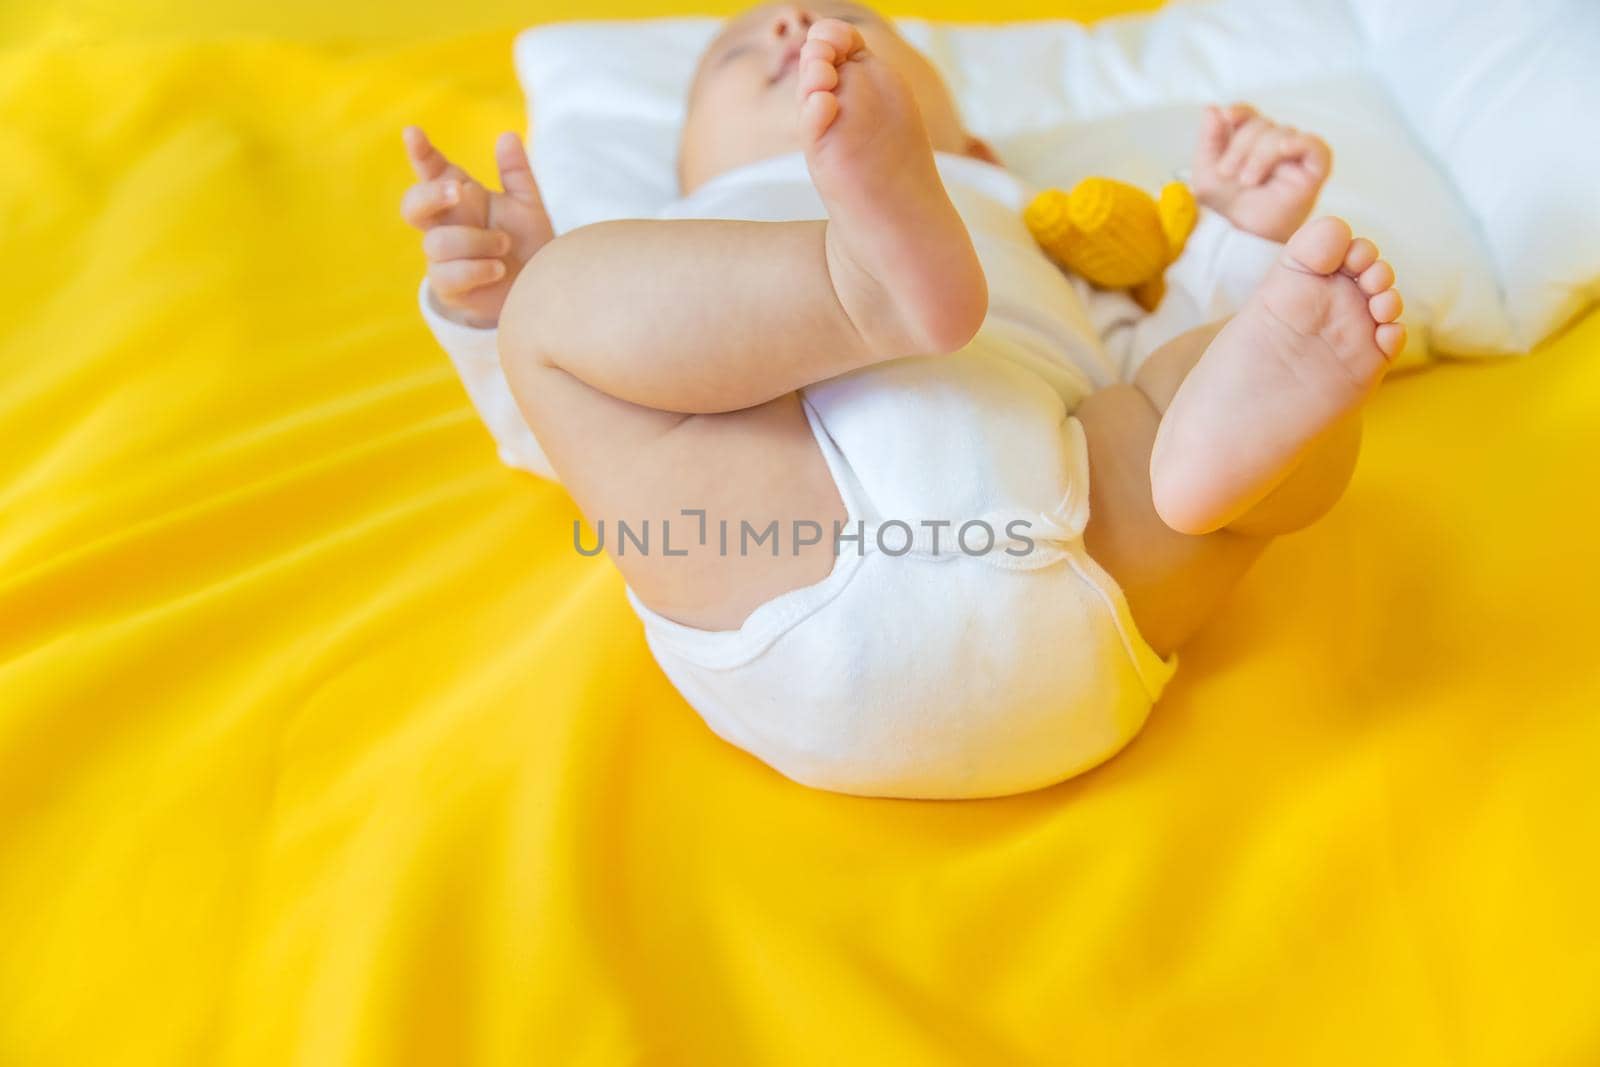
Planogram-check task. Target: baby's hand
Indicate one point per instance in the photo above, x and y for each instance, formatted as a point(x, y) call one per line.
point(476, 240)
point(1259, 175)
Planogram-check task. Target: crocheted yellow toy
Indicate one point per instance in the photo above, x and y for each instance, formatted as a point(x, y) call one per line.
point(1113, 234)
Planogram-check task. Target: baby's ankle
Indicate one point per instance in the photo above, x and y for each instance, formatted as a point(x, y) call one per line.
point(892, 322)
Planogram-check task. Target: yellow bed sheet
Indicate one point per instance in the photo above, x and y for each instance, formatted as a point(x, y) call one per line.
point(319, 745)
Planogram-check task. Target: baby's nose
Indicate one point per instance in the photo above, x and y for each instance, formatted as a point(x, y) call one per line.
point(791, 22)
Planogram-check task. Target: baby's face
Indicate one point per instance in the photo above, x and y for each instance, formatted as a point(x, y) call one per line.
point(742, 106)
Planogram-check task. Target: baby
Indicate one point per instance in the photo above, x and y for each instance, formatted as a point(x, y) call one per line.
point(930, 517)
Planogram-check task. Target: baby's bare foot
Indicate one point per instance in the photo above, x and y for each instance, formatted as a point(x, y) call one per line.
point(902, 262)
point(1310, 347)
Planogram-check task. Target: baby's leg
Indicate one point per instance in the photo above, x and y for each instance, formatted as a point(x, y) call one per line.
point(706, 316)
point(1174, 581)
point(657, 362)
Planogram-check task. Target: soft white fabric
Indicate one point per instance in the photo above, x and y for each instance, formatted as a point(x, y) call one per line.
point(476, 355)
point(963, 571)
point(1506, 98)
point(1463, 131)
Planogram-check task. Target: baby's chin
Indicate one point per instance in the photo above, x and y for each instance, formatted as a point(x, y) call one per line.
point(700, 163)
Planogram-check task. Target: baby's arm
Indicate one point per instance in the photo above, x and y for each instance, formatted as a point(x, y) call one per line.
point(1259, 181)
point(1260, 175)
point(476, 242)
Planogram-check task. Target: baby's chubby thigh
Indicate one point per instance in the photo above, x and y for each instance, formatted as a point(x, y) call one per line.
point(658, 488)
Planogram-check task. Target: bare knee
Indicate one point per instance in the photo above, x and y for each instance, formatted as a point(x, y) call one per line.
point(521, 341)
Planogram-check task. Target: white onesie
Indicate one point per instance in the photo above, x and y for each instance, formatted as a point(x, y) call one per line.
point(964, 644)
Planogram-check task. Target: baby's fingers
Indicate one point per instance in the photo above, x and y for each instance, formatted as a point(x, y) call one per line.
point(1214, 133)
point(1238, 114)
point(461, 276)
point(1264, 156)
point(424, 202)
point(1312, 152)
point(1240, 145)
point(444, 243)
point(428, 162)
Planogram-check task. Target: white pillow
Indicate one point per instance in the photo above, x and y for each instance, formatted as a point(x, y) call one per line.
point(1506, 98)
point(1465, 138)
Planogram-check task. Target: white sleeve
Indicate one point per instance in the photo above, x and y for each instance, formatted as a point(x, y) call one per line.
point(476, 355)
point(1220, 267)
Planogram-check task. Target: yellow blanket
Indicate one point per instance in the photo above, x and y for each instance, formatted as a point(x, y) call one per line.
point(319, 745)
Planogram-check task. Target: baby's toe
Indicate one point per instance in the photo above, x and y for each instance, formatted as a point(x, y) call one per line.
point(1376, 278)
point(817, 76)
point(817, 113)
point(1363, 254)
point(1386, 306)
point(844, 38)
point(1391, 339)
point(818, 49)
point(1321, 244)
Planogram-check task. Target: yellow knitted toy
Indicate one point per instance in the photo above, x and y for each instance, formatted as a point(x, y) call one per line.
point(1114, 235)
